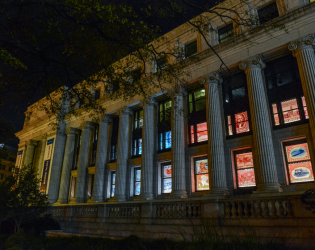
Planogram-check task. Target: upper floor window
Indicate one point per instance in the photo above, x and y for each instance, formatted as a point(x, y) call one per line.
point(201, 174)
point(197, 123)
point(161, 64)
point(267, 13)
point(137, 181)
point(137, 132)
point(190, 49)
point(94, 144)
point(114, 139)
point(236, 105)
point(244, 168)
point(112, 183)
point(76, 151)
point(166, 177)
point(164, 125)
point(226, 33)
point(285, 93)
point(298, 161)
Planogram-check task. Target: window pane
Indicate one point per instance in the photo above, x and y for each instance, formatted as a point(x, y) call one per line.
point(275, 114)
point(168, 139)
point(191, 49)
point(113, 191)
point(202, 182)
point(168, 105)
point(192, 134)
point(167, 185)
point(202, 133)
point(297, 152)
point(241, 122)
point(244, 160)
point(141, 114)
point(140, 122)
point(290, 111)
point(161, 141)
point(305, 107)
point(246, 177)
point(191, 107)
point(267, 13)
point(202, 166)
point(167, 171)
point(137, 188)
point(140, 146)
point(138, 175)
point(200, 104)
point(301, 172)
point(114, 177)
point(199, 94)
point(226, 32)
point(238, 94)
point(230, 125)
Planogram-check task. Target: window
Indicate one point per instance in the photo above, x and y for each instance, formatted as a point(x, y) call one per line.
point(166, 177)
point(197, 123)
point(161, 64)
point(285, 93)
point(190, 49)
point(137, 181)
point(201, 174)
point(112, 186)
point(164, 125)
point(268, 13)
point(244, 168)
point(137, 132)
point(298, 161)
point(97, 94)
point(76, 151)
point(94, 144)
point(236, 105)
point(114, 139)
point(226, 33)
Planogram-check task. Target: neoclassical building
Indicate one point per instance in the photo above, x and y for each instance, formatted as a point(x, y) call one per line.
point(223, 146)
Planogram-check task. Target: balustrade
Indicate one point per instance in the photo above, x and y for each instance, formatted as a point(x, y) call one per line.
point(85, 211)
point(124, 211)
point(57, 211)
point(178, 210)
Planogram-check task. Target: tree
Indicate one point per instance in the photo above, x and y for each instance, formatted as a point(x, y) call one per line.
point(6, 194)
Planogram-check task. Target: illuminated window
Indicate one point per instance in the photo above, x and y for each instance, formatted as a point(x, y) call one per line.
point(226, 33)
point(197, 123)
point(76, 151)
point(164, 125)
point(236, 105)
point(190, 49)
point(244, 168)
point(114, 139)
point(201, 174)
point(166, 177)
point(94, 144)
point(298, 161)
point(137, 181)
point(285, 94)
point(137, 132)
point(267, 13)
point(112, 182)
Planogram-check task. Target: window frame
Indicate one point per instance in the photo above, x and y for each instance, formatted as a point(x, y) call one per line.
point(160, 63)
point(135, 181)
point(187, 55)
point(195, 159)
point(96, 94)
point(259, 18)
point(225, 27)
point(164, 125)
point(112, 177)
point(169, 163)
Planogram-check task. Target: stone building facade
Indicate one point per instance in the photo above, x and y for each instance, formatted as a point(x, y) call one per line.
point(239, 146)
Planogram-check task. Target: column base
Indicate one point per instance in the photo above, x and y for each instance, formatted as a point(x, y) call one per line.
point(60, 202)
point(146, 197)
point(217, 193)
point(120, 198)
point(96, 199)
point(77, 200)
point(178, 194)
point(268, 188)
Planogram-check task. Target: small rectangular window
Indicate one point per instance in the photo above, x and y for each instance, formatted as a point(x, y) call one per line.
point(226, 33)
point(298, 162)
point(244, 167)
point(268, 13)
point(190, 49)
point(166, 177)
point(112, 186)
point(137, 181)
point(201, 174)
point(165, 139)
point(290, 111)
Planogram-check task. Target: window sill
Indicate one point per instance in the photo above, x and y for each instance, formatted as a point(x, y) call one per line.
point(111, 161)
point(164, 150)
point(245, 190)
point(301, 122)
point(197, 144)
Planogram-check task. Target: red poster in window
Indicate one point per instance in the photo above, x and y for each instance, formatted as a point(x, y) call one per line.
point(202, 182)
point(301, 172)
point(244, 160)
point(275, 114)
point(246, 178)
point(241, 122)
point(230, 125)
point(192, 135)
point(202, 133)
point(290, 111)
point(298, 152)
point(304, 107)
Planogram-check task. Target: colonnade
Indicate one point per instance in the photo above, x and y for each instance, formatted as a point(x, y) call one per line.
point(263, 153)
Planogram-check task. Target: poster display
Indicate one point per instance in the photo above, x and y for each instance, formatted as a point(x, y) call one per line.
point(275, 114)
point(290, 111)
point(168, 139)
point(202, 133)
point(202, 182)
point(301, 172)
point(305, 107)
point(202, 177)
point(297, 152)
point(230, 125)
point(167, 185)
point(245, 170)
point(241, 122)
point(244, 160)
point(167, 178)
point(137, 181)
point(47, 158)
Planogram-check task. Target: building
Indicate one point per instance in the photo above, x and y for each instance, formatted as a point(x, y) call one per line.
point(243, 150)
point(7, 161)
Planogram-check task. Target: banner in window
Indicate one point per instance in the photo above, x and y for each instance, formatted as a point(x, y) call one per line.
point(47, 159)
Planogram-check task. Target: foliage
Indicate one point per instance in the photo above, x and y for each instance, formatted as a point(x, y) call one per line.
point(6, 195)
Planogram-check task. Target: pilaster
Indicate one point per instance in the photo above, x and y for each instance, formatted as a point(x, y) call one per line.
point(29, 154)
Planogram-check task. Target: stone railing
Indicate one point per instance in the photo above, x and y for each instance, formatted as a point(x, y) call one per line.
point(56, 211)
point(84, 211)
point(178, 210)
point(258, 208)
point(123, 211)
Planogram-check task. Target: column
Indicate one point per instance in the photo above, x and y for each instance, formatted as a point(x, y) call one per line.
point(147, 150)
point(29, 154)
point(83, 163)
point(101, 156)
point(56, 165)
point(265, 164)
point(304, 53)
point(178, 145)
point(66, 166)
point(122, 155)
point(216, 162)
point(42, 155)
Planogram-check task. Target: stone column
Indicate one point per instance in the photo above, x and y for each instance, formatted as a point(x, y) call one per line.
point(66, 167)
point(216, 162)
point(122, 155)
point(147, 150)
point(29, 154)
point(101, 156)
point(178, 145)
point(304, 52)
point(83, 163)
point(56, 164)
point(265, 164)
point(42, 155)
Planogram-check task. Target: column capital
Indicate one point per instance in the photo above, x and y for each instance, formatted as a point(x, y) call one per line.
point(149, 102)
point(178, 91)
point(306, 42)
point(124, 110)
point(31, 143)
point(72, 131)
point(87, 125)
point(254, 62)
point(213, 78)
point(44, 136)
point(107, 119)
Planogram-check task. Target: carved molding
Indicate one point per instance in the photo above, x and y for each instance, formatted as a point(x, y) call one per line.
point(214, 78)
point(306, 42)
point(254, 62)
